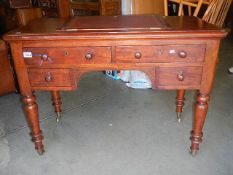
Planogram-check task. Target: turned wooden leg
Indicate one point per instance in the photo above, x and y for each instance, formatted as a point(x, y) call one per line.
point(31, 110)
point(200, 112)
point(56, 101)
point(180, 103)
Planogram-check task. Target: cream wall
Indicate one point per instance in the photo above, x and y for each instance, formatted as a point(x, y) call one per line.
point(143, 7)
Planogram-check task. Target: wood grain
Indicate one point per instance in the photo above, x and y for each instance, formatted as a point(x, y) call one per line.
point(180, 56)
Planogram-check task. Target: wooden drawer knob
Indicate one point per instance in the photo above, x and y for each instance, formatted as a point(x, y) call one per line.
point(45, 57)
point(182, 54)
point(89, 56)
point(49, 77)
point(180, 76)
point(138, 55)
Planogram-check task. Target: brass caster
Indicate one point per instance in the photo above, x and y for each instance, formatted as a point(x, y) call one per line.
point(58, 117)
point(193, 153)
point(40, 151)
point(178, 117)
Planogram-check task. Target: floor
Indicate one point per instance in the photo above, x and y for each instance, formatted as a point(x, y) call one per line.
point(107, 128)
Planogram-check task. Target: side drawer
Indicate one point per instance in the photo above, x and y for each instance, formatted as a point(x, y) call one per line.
point(51, 78)
point(188, 77)
point(71, 55)
point(181, 53)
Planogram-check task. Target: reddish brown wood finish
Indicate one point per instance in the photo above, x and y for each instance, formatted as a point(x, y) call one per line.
point(180, 103)
point(163, 54)
point(63, 8)
point(200, 112)
point(50, 78)
point(56, 99)
point(31, 110)
point(29, 99)
point(70, 55)
point(189, 77)
point(56, 102)
point(179, 54)
point(203, 97)
point(180, 100)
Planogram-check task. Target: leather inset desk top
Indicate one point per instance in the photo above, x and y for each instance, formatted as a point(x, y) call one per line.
point(116, 23)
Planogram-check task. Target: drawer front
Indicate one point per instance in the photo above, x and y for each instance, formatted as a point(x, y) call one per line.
point(72, 55)
point(50, 77)
point(180, 76)
point(161, 54)
point(135, 54)
point(181, 53)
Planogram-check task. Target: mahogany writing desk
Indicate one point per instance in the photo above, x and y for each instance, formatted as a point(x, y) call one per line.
point(177, 53)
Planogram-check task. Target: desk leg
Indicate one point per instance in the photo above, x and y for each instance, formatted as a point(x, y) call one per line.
point(180, 103)
point(56, 101)
point(200, 112)
point(31, 110)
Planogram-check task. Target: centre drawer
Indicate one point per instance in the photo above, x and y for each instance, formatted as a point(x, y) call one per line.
point(71, 55)
point(161, 53)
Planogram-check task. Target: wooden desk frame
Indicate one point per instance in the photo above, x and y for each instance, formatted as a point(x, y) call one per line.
point(145, 50)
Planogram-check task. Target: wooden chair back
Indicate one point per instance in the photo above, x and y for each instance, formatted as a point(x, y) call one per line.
point(196, 4)
point(217, 11)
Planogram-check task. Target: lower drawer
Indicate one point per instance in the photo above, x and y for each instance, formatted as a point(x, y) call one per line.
point(58, 78)
point(178, 77)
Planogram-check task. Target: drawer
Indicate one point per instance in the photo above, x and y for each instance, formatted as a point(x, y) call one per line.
point(180, 76)
point(135, 54)
point(161, 53)
point(181, 53)
point(71, 55)
point(51, 77)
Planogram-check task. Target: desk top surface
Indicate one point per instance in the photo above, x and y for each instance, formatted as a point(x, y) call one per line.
point(115, 25)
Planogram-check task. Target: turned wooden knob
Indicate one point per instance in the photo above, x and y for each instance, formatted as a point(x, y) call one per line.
point(49, 77)
point(180, 76)
point(89, 56)
point(182, 54)
point(44, 57)
point(138, 55)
